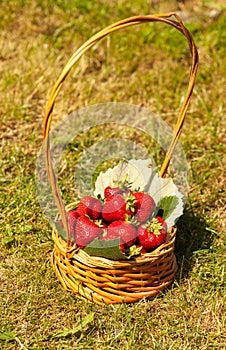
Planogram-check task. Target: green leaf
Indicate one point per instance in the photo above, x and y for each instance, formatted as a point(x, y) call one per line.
point(105, 248)
point(7, 241)
point(7, 336)
point(60, 230)
point(68, 332)
point(168, 204)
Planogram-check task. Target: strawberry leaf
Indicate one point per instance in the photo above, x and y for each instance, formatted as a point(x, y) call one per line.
point(105, 248)
point(168, 204)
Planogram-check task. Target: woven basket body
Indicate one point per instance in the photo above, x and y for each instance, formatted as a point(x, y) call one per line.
point(102, 280)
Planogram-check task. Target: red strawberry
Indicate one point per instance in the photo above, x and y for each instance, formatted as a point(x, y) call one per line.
point(72, 216)
point(125, 230)
point(86, 231)
point(115, 208)
point(110, 191)
point(109, 234)
point(144, 206)
point(141, 248)
point(89, 206)
point(152, 234)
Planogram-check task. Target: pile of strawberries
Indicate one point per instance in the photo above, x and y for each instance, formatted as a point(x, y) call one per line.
point(124, 214)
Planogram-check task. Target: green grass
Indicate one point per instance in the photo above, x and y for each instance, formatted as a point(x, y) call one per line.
point(142, 65)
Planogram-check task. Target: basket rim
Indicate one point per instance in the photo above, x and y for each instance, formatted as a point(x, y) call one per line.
point(90, 260)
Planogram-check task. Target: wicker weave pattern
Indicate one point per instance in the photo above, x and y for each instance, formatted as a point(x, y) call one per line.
point(103, 280)
point(98, 279)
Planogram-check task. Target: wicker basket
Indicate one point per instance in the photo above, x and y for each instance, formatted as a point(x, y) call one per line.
point(102, 280)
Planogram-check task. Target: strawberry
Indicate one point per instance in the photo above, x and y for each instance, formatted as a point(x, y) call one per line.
point(89, 206)
point(141, 249)
point(121, 189)
point(108, 235)
point(144, 205)
point(72, 216)
point(152, 234)
point(86, 231)
point(115, 208)
point(110, 191)
point(125, 230)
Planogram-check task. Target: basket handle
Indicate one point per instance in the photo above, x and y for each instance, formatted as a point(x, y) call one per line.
point(164, 18)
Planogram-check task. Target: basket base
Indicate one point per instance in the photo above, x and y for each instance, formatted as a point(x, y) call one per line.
point(101, 280)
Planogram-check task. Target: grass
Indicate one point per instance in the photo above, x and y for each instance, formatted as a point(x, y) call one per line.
point(145, 67)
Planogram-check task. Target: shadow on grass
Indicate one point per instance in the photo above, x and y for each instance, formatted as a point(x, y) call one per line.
point(193, 234)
